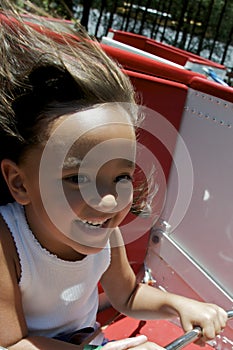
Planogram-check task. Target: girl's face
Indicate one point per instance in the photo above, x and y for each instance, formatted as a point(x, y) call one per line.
point(80, 184)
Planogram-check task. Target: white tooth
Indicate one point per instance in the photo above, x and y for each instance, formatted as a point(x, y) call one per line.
point(96, 222)
point(93, 224)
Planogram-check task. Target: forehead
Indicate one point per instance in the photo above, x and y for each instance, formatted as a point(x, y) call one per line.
point(106, 115)
point(105, 131)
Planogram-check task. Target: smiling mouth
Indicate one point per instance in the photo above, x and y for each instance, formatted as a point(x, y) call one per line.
point(93, 224)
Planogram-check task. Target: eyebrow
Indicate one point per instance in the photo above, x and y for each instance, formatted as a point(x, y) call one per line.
point(74, 162)
point(71, 162)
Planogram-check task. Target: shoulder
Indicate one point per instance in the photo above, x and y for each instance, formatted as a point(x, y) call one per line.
point(12, 323)
point(8, 251)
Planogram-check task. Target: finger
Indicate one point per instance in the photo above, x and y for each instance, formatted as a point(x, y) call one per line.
point(221, 321)
point(211, 330)
point(223, 317)
point(211, 323)
point(124, 344)
point(186, 325)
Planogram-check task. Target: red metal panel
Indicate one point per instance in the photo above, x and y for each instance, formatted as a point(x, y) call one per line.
point(212, 88)
point(161, 332)
point(133, 62)
point(155, 47)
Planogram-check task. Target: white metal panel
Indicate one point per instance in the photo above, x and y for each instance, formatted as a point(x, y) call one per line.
point(206, 231)
point(199, 247)
point(107, 40)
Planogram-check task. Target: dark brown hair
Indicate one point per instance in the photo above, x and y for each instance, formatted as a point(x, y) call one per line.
point(43, 74)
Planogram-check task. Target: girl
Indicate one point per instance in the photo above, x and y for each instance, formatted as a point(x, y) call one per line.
point(68, 141)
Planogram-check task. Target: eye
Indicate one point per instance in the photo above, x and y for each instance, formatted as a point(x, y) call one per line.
point(124, 179)
point(78, 179)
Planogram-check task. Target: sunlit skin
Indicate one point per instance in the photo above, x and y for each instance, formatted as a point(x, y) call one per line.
point(97, 210)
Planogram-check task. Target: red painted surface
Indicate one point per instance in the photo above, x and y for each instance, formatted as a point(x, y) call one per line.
point(168, 99)
point(161, 332)
point(131, 61)
point(168, 52)
point(212, 88)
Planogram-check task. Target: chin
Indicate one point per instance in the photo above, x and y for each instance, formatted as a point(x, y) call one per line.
point(89, 240)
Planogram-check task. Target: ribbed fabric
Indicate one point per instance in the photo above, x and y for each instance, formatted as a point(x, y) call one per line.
point(58, 296)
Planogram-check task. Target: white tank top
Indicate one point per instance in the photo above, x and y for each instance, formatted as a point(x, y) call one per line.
point(58, 296)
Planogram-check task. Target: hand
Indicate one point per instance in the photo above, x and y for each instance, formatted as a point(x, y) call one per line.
point(210, 317)
point(140, 343)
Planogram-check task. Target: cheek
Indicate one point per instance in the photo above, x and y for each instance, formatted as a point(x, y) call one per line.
point(125, 197)
point(124, 212)
point(74, 199)
point(33, 190)
point(127, 209)
point(62, 203)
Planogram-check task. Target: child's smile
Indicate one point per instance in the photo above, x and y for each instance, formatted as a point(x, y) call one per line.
point(86, 192)
point(93, 225)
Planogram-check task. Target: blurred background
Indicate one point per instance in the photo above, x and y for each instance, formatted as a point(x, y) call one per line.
point(203, 27)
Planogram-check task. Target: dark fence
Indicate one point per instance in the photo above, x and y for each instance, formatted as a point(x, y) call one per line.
point(204, 27)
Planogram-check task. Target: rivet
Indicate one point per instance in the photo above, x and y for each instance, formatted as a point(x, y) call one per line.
point(155, 239)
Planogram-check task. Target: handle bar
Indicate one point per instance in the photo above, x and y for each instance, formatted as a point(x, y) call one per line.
point(190, 336)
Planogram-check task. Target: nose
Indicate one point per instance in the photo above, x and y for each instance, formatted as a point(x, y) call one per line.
point(107, 202)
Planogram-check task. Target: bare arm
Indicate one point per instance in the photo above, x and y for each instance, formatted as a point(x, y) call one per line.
point(13, 328)
point(126, 294)
point(12, 323)
point(145, 302)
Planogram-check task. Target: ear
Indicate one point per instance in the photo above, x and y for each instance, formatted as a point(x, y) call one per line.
point(14, 178)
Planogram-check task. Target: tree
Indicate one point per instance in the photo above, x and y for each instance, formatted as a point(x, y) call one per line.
point(228, 43)
point(181, 20)
point(203, 22)
point(219, 22)
point(86, 12)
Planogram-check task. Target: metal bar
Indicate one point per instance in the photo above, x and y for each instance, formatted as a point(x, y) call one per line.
point(189, 337)
point(185, 339)
point(230, 314)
